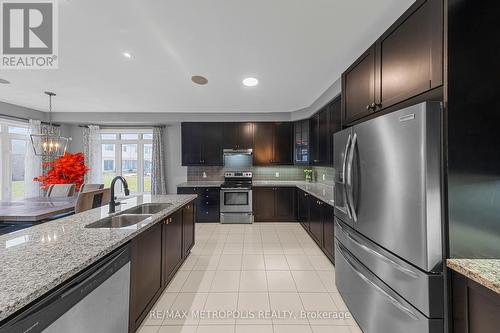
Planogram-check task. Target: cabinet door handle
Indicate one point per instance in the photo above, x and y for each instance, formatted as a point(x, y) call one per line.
point(373, 106)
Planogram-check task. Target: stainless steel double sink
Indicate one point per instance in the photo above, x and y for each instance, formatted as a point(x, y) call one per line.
point(130, 216)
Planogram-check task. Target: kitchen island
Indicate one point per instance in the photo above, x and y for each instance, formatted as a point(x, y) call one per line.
point(38, 259)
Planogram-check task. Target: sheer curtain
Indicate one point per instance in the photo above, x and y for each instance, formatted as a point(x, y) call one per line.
point(159, 172)
point(32, 163)
point(92, 153)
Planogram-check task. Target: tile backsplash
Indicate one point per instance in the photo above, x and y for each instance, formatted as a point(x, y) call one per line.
point(280, 172)
point(201, 173)
point(324, 175)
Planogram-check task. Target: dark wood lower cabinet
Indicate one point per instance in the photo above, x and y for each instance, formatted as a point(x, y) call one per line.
point(187, 229)
point(274, 204)
point(263, 203)
point(317, 219)
point(207, 203)
point(476, 309)
point(328, 231)
point(172, 245)
point(146, 274)
point(156, 255)
point(303, 209)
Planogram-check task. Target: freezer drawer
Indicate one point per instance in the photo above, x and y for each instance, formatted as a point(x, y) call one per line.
point(422, 290)
point(374, 306)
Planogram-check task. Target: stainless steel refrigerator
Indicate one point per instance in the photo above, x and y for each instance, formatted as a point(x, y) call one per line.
point(388, 221)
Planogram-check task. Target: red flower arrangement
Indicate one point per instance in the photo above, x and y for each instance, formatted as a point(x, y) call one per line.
point(67, 169)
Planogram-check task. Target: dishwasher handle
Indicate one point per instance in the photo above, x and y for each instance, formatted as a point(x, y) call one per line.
point(43, 313)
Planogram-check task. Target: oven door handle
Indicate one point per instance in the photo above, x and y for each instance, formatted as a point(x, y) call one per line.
point(239, 189)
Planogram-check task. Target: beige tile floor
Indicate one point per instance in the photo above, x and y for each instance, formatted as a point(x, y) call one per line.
point(258, 269)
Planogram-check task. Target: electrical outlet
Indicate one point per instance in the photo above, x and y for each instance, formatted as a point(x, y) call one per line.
point(277, 174)
point(324, 177)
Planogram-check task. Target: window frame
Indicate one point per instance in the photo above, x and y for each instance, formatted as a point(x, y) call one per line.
point(5, 151)
point(118, 142)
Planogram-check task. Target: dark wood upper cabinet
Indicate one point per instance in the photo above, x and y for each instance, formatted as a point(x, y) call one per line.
point(263, 143)
point(238, 135)
point(301, 142)
point(323, 157)
point(146, 273)
point(191, 143)
point(335, 124)
point(358, 87)
point(202, 144)
point(283, 144)
point(323, 125)
point(405, 62)
point(272, 143)
point(314, 139)
point(410, 54)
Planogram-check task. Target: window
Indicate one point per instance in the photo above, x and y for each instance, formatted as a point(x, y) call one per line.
point(109, 165)
point(13, 145)
point(127, 153)
point(109, 147)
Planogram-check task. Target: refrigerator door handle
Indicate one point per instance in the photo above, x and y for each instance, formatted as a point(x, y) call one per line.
point(349, 186)
point(391, 299)
point(344, 187)
point(397, 266)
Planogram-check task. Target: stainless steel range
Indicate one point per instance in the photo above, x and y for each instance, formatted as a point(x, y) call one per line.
point(236, 197)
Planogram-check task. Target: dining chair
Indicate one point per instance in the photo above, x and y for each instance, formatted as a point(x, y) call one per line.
point(91, 187)
point(91, 199)
point(61, 190)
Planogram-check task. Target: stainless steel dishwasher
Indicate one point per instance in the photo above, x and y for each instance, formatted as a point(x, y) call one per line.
point(96, 300)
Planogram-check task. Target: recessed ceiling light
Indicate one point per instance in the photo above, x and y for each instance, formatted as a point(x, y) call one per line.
point(250, 82)
point(128, 55)
point(3, 81)
point(198, 79)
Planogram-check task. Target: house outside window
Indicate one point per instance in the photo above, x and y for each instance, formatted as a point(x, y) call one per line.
point(127, 152)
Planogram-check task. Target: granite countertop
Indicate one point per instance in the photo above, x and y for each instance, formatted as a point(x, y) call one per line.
point(483, 271)
point(38, 259)
point(201, 183)
point(321, 191)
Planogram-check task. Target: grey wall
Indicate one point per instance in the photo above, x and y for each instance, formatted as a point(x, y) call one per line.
point(176, 173)
point(11, 110)
point(76, 134)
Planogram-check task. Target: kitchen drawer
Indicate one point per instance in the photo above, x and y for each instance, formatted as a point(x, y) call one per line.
point(406, 280)
point(376, 307)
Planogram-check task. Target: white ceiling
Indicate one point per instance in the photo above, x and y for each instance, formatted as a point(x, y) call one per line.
point(296, 48)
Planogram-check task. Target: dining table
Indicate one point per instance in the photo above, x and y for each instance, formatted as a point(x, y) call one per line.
point(36, 209)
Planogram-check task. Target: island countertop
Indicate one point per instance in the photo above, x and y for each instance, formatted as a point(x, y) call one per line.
point(486, 272)
point(38, 259)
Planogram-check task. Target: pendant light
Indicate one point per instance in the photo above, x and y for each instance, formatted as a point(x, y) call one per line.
point(47, 144)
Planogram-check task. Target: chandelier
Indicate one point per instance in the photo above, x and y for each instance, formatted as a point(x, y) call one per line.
point(49, 144)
